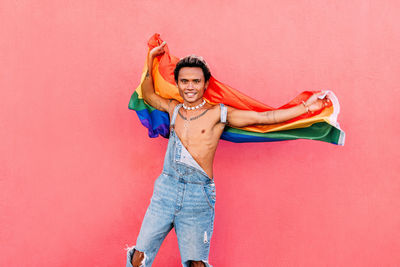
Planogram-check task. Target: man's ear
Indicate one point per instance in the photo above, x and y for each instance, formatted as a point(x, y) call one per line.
point(206, 85)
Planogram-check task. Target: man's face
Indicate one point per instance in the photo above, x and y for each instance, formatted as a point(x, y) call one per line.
point(191, 84)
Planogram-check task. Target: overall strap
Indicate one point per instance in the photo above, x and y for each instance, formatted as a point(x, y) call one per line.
point(177, 107)
point(224, 111)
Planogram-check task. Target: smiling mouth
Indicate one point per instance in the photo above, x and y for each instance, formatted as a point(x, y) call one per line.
point(190, 94)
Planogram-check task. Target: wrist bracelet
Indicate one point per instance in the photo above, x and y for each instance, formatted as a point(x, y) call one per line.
point(304, 104)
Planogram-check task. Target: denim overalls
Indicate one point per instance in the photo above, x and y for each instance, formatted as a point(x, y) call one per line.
point(183, 198)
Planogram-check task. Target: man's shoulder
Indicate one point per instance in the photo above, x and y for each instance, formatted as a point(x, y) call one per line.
point(218, 111)
point(218, 106)
point(215, 108)
point(172, 104)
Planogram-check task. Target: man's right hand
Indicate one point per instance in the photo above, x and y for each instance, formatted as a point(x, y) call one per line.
point(148, 92)
point(158, 50)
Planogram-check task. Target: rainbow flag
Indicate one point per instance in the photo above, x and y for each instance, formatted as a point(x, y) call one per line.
point(321, 125)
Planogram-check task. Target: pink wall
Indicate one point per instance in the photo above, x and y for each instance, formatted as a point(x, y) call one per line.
point(77, 168)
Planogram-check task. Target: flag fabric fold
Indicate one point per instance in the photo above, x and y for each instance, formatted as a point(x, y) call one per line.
point(321, 125)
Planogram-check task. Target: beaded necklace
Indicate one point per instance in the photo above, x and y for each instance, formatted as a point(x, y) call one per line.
point(196, 107)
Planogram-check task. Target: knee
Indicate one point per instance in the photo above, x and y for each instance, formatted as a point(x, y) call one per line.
point(197, 264)
point(137, 258)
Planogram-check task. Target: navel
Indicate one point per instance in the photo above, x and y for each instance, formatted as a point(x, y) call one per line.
point(203, 131)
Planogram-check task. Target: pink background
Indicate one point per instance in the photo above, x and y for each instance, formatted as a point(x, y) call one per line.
point(77, 168)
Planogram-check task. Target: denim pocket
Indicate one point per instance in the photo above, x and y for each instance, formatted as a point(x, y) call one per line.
point(157, 189)
point(210, 194)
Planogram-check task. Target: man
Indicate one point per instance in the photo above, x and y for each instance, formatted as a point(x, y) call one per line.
point(184, 194)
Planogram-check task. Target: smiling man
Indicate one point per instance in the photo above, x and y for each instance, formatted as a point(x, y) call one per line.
point(184, 193)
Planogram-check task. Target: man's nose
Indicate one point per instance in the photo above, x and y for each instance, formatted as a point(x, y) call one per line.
point(190, 85)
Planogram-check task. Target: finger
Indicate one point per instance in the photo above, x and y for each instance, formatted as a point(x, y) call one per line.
point(322, 95)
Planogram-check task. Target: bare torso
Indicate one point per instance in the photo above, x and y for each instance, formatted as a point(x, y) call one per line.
point(199, 131)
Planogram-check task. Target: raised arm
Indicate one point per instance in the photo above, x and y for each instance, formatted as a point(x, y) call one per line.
point(242, 118)
point(148, 92)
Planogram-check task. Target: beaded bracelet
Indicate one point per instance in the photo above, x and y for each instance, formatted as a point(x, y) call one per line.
point(304, 104)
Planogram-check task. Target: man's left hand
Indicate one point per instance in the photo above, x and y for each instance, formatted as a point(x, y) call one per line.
point(314, 103)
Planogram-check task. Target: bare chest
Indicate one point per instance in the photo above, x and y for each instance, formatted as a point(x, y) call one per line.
point(197, 129)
